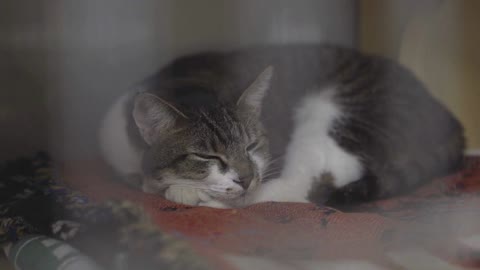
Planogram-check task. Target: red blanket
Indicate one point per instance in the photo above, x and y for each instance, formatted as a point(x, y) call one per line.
point(441, 219)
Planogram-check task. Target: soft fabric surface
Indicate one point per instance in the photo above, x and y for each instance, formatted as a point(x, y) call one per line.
point(436, 226)
point(434, 217)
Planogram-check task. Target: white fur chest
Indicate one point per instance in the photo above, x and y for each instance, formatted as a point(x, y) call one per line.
point(312, 152)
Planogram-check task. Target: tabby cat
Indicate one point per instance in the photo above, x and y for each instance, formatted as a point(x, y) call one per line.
point(298, 123)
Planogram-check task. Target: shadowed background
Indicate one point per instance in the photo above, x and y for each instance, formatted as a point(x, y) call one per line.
point(63, 62)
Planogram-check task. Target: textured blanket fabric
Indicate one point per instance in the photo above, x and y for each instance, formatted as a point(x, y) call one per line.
point(438, 223)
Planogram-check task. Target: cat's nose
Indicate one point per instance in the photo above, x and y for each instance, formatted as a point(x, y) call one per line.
point(244, 181)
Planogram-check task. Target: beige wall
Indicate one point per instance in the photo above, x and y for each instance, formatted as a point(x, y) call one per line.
point(439, 40)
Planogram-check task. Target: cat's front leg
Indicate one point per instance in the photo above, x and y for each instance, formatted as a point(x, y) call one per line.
point(277, 190)
point(191, 196)
point(184, 195)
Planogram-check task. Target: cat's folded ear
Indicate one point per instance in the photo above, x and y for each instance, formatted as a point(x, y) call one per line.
point(251, 99)
point(154, 116)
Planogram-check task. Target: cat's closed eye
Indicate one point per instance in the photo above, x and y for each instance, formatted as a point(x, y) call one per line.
point(252, 146)
point(207, 157)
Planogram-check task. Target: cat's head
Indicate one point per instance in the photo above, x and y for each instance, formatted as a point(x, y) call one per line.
point(221, 150)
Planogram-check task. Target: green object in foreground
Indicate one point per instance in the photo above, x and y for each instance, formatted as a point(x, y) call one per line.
point(41, 252)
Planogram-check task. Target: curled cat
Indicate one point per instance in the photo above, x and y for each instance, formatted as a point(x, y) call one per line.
point(300, 123)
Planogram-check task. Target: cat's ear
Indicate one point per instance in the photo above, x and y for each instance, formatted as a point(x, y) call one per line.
point(154, 116)
point(251, 99)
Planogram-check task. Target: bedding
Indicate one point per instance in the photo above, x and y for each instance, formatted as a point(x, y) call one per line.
point(82, 205)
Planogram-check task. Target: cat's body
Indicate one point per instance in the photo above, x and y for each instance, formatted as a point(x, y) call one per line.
point(341, 126)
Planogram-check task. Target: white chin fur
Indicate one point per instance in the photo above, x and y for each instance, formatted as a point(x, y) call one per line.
point(217, 187)
point(221, 185)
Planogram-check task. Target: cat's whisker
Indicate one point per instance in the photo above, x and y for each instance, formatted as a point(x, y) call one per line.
point(270, 164)
point(272, 170)
point(272, 161)
point(273, 167)
point(269, 175)
point(264, 174)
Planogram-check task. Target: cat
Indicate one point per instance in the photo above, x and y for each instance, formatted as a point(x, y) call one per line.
point(300, 123)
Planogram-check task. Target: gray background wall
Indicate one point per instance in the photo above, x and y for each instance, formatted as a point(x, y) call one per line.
point(62, 62)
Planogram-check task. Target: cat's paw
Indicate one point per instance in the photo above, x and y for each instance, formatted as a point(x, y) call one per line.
point(184, 195)
point(277, 190)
